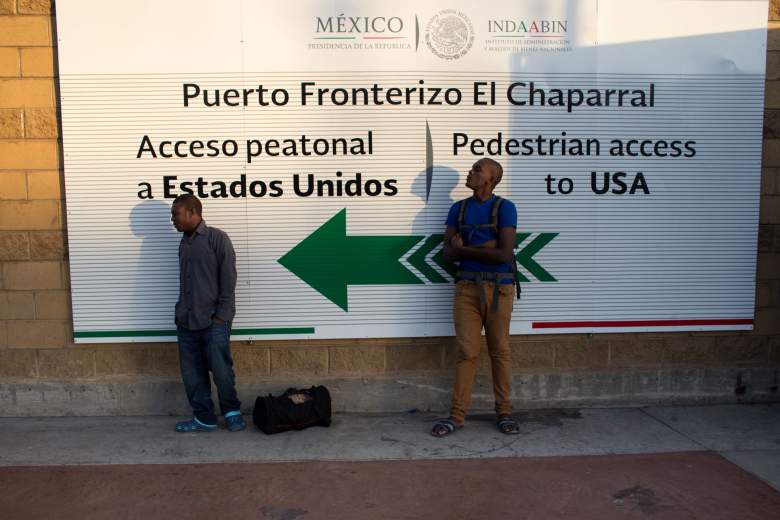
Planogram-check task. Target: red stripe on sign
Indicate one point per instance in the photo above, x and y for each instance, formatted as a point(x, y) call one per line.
point(635, 323)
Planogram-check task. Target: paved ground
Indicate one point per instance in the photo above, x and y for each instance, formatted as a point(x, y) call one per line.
point(658, 462)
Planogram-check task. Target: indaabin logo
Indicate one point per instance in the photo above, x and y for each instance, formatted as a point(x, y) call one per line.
point(449, 34)
point(528, 28)
point(527, 35)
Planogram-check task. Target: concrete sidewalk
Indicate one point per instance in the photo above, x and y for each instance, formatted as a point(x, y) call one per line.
point(636, 442)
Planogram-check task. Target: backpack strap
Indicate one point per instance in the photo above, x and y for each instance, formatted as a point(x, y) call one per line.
point(481, 277)
point(462, 221)
point(495, 208)
point(462, 214)
point(494, 213)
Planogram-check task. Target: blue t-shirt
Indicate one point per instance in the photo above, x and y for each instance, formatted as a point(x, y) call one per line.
point(479, 213)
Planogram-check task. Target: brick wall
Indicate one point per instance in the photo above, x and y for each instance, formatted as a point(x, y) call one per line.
point(34, 300)
point(35, 327)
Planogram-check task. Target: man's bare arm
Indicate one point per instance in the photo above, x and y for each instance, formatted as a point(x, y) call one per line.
point(489, 252)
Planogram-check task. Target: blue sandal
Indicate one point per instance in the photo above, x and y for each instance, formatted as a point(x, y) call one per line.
point(194, 425)
point(508, 425)
point(234, 422)
point(444, 427)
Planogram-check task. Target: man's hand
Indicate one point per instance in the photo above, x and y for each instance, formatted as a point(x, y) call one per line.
point(451, 243)
point(216, 320)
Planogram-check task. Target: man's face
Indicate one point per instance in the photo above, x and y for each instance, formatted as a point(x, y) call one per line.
point(479, 175)
point(184, 220)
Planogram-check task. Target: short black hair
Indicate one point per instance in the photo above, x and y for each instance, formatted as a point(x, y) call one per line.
point(496, 166)
point(190, 202)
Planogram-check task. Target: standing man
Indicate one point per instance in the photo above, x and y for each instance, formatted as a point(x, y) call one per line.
point(204, 312)
point(480, 236)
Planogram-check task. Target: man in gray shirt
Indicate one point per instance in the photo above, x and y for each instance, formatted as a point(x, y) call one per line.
point(204, 312)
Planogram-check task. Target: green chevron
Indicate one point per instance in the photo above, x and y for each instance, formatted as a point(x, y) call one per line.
point(519, 237)
point(449, 267)
point(417, 259)
point(524, 255)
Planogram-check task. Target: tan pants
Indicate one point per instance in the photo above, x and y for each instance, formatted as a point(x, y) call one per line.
point(469, 317)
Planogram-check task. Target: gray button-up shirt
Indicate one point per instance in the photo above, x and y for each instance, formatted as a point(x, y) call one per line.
point(207, 278)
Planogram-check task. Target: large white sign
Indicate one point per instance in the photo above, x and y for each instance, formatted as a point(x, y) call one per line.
point(329, 139)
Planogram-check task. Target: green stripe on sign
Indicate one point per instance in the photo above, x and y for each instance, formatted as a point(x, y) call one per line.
point(156, 333)
point(287, 330)
point(123, 333)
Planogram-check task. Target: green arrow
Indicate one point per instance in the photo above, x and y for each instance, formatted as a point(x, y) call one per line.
point(524, 255)
point(329, 260)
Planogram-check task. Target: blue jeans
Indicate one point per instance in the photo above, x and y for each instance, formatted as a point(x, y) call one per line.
point(199, 352)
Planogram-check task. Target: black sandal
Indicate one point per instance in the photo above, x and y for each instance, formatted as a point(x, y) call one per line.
point(444, 427)
point(508, 425)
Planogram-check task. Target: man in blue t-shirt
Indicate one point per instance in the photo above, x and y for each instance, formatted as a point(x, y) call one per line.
point(484, 292)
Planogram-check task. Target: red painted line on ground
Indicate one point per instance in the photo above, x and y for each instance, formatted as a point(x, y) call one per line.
point(660, 486)
point(635, 323)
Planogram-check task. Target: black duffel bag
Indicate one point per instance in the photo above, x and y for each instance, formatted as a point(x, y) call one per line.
point(295, 409)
